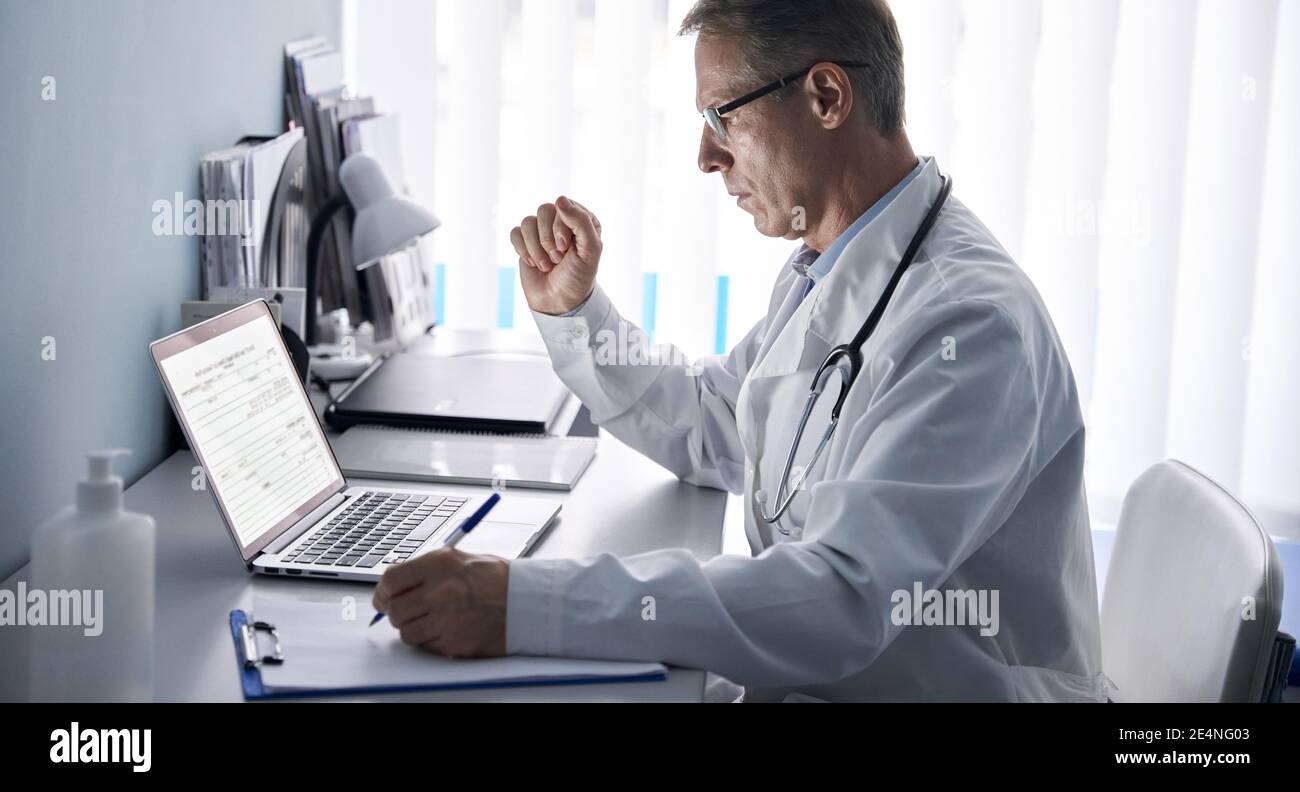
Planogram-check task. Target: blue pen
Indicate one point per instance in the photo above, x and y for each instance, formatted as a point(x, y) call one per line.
point(465, 527)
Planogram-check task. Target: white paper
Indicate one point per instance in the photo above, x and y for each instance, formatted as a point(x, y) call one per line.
point(323, 649)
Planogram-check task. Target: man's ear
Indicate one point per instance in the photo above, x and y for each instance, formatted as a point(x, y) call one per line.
point(829, 94)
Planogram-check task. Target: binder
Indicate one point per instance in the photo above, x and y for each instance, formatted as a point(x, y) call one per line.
point(259, 646)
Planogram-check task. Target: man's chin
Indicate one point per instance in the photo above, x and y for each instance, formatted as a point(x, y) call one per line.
point(775, 232)
point(763, 225)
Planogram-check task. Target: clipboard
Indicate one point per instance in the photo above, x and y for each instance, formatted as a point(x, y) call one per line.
point(251, 658)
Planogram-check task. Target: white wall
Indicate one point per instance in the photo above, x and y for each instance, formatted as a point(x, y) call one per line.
point(142, 89)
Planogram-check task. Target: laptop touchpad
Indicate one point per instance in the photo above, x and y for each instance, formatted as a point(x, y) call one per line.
point(502, 539)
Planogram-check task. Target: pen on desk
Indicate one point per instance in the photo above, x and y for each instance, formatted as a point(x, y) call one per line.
point(465, 527)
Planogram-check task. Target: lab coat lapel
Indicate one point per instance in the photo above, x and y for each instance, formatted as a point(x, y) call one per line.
point(774, 358)
point(785, 313)
point(784, 352)
point(846, 296)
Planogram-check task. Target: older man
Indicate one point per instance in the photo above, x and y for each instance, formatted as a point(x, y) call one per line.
point(933, 541)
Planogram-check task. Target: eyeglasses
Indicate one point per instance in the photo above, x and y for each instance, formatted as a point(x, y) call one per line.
point(713, 115)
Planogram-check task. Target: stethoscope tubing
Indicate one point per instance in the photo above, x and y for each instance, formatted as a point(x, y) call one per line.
point(847, 359)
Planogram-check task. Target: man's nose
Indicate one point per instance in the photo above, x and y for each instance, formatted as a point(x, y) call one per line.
point(713, 156)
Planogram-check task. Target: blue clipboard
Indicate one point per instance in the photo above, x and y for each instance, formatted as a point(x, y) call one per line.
point(250, 674)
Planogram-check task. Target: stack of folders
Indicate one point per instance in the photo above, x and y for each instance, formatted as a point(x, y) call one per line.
point(240, 186)
point(396, 295)
point(314, 82)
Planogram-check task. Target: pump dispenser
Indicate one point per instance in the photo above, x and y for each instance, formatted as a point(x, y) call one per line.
point(90, 604)
point(102, 491)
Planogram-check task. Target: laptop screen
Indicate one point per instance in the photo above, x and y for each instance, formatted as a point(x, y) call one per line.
point(249, 421)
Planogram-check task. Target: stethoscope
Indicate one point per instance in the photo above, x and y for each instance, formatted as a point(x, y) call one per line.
point(847, 360)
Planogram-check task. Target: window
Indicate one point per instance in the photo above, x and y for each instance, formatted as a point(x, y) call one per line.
point(1135, 156)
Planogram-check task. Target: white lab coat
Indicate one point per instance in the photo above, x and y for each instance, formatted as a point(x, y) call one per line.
point(957, 471)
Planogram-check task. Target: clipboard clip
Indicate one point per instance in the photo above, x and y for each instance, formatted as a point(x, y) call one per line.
point(252, 659)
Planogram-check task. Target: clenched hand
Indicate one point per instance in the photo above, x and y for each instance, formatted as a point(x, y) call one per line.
point(559, 250)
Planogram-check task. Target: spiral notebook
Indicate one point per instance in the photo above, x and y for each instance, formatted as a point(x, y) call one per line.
point(449, 457)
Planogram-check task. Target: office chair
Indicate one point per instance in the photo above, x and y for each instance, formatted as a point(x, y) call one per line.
point(1193, 597)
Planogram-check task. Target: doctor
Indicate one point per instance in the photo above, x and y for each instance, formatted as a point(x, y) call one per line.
point(938, 548)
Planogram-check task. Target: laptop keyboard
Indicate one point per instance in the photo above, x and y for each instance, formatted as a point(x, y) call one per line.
point(376, 527)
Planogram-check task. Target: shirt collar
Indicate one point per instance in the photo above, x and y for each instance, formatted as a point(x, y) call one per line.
point(808, 263)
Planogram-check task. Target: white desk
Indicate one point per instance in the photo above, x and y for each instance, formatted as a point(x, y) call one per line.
point(624, 504)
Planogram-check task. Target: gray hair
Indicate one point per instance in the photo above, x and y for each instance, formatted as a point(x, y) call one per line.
point(777, 37)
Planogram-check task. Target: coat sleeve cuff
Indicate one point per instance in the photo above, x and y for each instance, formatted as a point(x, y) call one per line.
point(573, 331)
point(533, 608)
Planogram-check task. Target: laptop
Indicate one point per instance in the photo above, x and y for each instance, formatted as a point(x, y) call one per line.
point(274, 477)
point(474, 393)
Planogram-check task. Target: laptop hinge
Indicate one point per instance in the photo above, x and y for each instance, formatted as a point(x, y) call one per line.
point(299, 528)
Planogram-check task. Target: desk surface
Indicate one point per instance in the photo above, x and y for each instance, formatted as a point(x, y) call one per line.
point(200, 577)
point(624, 504)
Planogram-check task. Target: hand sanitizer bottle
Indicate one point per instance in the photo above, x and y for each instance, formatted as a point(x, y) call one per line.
point(93, 571)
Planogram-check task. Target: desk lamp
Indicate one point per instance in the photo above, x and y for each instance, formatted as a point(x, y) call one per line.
point(385, 223)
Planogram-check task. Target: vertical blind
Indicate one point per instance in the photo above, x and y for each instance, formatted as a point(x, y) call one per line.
point(1137, 157)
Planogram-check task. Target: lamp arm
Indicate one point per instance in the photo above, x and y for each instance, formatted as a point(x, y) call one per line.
point(314, 238)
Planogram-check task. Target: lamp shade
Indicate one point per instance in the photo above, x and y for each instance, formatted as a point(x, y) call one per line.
point(385, 221)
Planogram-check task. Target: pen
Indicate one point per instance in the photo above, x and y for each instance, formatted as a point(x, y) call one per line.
point(465, 527)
